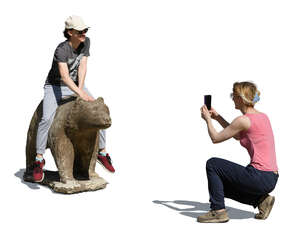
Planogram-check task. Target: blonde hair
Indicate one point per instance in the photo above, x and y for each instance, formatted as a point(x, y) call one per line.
point(247, 91)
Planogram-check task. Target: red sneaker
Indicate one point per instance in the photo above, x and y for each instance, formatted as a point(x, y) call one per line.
point(106, 162)
point(38, 173)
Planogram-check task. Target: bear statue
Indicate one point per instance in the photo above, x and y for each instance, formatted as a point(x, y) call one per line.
point(73, 140)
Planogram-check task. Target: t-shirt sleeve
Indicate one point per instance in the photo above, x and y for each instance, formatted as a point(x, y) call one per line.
point(86, 51)
point(60, 55)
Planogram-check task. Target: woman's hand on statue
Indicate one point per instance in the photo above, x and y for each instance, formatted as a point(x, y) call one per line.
point(85, 96)
point(205, 114)
point(91, 98)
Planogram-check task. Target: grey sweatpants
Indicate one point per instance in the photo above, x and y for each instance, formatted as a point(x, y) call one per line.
point(52, 96)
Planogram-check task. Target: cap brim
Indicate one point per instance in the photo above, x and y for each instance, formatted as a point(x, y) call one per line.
point(81, 28)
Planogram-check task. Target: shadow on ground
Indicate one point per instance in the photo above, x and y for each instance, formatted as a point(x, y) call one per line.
point(20, 174)
point(49, 176)
point(192, 209)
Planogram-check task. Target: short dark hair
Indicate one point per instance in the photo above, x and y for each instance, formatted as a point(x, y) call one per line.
point(66, 34)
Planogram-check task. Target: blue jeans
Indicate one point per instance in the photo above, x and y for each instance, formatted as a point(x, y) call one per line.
point(243, 184)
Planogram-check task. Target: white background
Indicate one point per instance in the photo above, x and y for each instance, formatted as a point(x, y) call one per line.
point(152, 61)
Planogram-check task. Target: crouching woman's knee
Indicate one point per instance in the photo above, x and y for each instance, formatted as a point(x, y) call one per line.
point(212, 163)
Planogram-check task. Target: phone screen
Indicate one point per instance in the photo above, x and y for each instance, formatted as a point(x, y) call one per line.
point(207, 101)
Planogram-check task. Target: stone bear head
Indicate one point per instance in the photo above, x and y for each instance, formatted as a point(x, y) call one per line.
point(89, 115)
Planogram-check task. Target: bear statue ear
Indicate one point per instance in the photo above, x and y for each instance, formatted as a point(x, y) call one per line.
point(79, 101)
point(100, 99)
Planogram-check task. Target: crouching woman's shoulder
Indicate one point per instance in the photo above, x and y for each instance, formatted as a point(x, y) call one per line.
point(240, 123)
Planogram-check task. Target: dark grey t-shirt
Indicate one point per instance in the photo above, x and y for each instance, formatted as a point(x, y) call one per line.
point(65, 53)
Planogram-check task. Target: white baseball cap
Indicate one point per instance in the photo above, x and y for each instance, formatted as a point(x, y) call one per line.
point(75, 22)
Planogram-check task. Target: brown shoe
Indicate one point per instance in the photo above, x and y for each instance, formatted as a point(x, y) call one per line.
point(213, 216)
point(265, 207)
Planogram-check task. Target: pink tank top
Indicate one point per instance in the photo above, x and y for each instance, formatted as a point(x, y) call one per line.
point(259, 141)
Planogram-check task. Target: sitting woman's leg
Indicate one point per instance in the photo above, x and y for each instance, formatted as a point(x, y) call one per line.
point(50, 104)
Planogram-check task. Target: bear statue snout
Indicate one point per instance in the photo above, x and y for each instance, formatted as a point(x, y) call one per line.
point(107, 122)
point(102, 116)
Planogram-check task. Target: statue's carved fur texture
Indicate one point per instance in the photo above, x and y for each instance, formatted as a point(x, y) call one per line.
point(73, 137)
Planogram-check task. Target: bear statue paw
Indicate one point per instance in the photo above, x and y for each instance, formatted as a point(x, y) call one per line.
point(94, 175)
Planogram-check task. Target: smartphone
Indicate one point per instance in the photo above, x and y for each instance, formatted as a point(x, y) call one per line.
point(207, 101)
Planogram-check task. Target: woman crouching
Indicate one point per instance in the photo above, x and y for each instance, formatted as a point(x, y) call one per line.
point(249, 185)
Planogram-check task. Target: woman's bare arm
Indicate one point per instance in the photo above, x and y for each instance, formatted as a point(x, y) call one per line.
point(239, 124)
point(225, 124)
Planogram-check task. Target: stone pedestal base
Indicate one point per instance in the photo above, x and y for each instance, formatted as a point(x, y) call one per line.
point(78, 185)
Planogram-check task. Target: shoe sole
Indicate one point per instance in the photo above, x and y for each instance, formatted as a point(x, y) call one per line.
point(213, 221)
point(98, 161)
point(267, 212)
